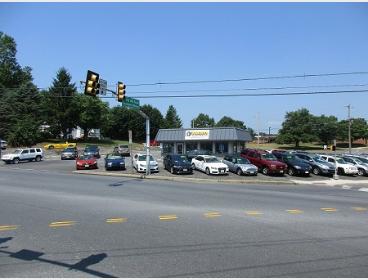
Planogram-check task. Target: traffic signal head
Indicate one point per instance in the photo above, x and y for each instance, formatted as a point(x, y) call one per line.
point(92, 85)
point(121, 91)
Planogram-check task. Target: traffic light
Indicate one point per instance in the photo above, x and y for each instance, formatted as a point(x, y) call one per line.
point(92, 85)
point(121, 91)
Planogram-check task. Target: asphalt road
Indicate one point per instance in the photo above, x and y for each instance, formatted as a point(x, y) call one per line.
point(57, 224)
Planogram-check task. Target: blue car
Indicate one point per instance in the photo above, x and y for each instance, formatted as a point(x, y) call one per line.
point(114, 162)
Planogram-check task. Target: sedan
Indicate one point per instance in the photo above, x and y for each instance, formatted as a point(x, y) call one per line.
point(114, 161)
point(178, 164)
point(69, 153)
point(240, 166)
point(86, 162)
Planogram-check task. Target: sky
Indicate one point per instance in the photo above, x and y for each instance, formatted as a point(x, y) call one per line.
point(169, 42)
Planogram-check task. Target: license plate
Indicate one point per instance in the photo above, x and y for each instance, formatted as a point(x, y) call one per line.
point(222, 171)
point(86, 165)
point(281, 171)
point(185, 170)
point(306, 172)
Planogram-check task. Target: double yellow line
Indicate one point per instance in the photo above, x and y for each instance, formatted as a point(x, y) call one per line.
point(8, 227)
point(116, 220)
point(253, 213)
point(62, 224)
point(168, 217)
point(328, 209)
point(212, 214)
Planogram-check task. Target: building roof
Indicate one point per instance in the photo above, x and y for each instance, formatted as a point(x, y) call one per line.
point(215, 134)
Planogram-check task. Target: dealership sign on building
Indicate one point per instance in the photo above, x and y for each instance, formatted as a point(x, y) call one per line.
point(197, 134)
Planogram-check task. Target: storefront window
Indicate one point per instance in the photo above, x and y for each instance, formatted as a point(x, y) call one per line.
point(207, 146)
point(222, 148)
point(190, 146)
point(168, 148)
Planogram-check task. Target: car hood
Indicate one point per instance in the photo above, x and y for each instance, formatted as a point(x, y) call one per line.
point(275, 162)
point(246, 165)
point(152, 162)
point(86, 161)
point(216, 164)
point(299, 163)
point(182, 164)
point(118, 160)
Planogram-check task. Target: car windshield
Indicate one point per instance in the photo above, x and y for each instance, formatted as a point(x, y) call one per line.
point(316, 159)
point(124, 147)
point(291, 157)
point(84, 157)
point(143, 158)
point(268, 157)
point(17, 151)
point(91, 149)
point(69, 150)
point(114, 157)
point(340, 160)
point(212, 159)
point(364, 160)
point(242, 161)
point(180, 158)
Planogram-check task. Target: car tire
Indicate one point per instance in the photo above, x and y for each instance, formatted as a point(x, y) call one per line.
point(340, 171)
point(16, 160)
point(291, 172)
point(172, 170)
point(361, 172)
point(316, 171)
point(38, 158)
point(265, 171)
point(193, 166)
point(239, 172)
point(208, 171)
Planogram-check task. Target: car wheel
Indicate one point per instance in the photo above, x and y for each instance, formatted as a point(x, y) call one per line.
point(193, 166)
point(38, 158)
point(51, 147)
point(16, 160)
point(291, 172)
point(361, 172)
point(172, 170)
point(239, 172)
point(340, 171)
point(207, 171)
point(265, 171)
point(316, 171)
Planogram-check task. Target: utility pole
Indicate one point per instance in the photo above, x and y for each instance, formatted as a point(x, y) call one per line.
point(269, 134)
point(349, 125)
point(258, 130)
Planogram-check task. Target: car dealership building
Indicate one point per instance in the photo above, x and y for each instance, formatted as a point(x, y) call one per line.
point(216, 140)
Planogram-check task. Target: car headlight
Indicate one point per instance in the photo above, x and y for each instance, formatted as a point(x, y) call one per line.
point(213, 168)
point(109, 163)
point(79, 163)
point(297, 166)
point(121, 163)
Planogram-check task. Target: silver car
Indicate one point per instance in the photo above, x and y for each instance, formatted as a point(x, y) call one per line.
point(362, 167)
point(240, 166)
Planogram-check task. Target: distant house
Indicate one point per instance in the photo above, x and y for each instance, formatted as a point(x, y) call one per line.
point(78, 133)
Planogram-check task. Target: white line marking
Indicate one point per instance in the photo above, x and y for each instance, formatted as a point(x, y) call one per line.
point(363, 189)
point(345, 187)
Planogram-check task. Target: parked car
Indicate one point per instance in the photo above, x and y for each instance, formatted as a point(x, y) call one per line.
point(362, 167)
point(295, 165)
point(139, 163)
point(92, 150)
point(124, 150)
point(177, 164)
point(28, 154)
point(69, 153)
point(3, 144)
point(342, 166)
point(266, 162)
point(240, 166)
point(192, 154)
point(114, 161)
point(319, 166)
point(210, 165)
point(60, 145)
point(86, 162)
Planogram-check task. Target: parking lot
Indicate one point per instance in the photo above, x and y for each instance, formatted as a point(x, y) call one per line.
point(52, 163)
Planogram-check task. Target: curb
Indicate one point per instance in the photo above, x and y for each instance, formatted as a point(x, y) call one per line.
point(178, 179)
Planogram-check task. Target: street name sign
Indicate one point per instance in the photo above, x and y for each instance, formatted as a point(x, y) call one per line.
point(131, 102)
point(103, 86)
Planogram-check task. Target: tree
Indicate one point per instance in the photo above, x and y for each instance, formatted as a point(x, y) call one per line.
point(203, 120)
point(156, 119)
point(172, 120)
point(229, 122)
point(93, 113)
point(297, 127)
point(325, 128)
point(359, 129)
point(59, 104)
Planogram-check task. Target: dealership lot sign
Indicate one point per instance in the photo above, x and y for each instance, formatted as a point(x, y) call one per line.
point(197, 134)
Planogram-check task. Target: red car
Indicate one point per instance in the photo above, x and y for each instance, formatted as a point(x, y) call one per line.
point(86, 162)
point(266, 162)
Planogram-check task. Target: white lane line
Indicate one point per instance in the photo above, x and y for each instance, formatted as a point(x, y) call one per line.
point(363, 190)
point(345, 187)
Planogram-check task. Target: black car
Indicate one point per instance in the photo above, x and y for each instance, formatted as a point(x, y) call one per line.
point(178, 164)
point(114, 161)
point(69, 153)
point(319, 167)
point(92, 150)
point(295, 165)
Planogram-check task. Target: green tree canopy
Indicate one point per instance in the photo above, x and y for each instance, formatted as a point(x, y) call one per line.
point(359, 129)
point(229, 122)
point(325, 127)
point(172, 119)
point(203, 120)
point(297, 127)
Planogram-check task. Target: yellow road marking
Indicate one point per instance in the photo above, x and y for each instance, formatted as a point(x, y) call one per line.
point(253, 213)
point(212, 214)
point(359, 208)
point(294, 211)
point(8, 227)
point(116, 220)
point(329, 209)
point(168, 217)
point(62, 224)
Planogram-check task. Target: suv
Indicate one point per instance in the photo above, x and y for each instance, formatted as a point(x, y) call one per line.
point(28, 154)
point(124, 150)
point(266, 162)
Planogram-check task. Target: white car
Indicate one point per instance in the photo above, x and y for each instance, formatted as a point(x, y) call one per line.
point(28, 154)
point(210, 165)
point(342, 166)
point(139, 163)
